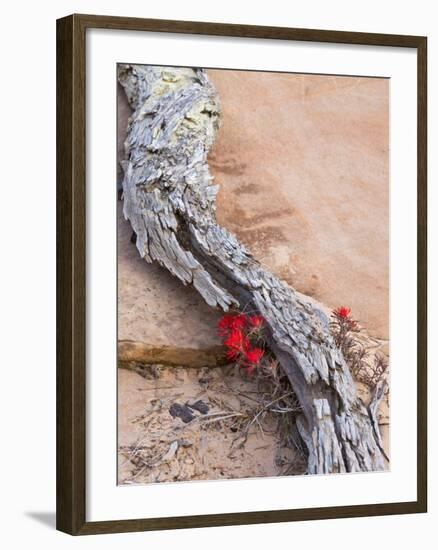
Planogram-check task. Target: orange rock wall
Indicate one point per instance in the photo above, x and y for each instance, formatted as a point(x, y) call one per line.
point(302, 162)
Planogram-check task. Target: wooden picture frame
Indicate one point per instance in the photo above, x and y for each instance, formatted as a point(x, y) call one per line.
point(71, 273)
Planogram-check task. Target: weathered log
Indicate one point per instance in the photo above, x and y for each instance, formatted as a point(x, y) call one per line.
point(373, 408)
point(170, 200)
point(130, 351)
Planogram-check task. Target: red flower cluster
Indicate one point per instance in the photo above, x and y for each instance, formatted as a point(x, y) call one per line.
point(342, 314)
point(239, 332)
point(256, 321)
point(230, 322)
point(236, 343)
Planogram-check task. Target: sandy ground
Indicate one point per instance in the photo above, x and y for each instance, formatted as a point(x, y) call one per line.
point(154, 446)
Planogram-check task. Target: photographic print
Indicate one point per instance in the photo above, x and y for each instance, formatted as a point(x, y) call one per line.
point(253, 274)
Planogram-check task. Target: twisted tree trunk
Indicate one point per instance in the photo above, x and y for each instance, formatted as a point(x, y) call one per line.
point(169, 198)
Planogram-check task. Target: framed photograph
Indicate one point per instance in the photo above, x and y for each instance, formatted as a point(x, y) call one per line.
point(241, 274)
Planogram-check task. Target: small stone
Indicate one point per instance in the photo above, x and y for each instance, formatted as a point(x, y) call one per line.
point(181, 411)
point(200, 406)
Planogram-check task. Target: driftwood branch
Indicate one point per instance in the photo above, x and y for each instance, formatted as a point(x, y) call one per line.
point(169, 198)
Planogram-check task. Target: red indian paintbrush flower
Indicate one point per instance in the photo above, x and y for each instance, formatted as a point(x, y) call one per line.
point(231, 321)
point(342, 312)
point(237, 344)
point(253, 355)
point(252, 358)
point(256, 321)
point(342, 315)
point(239, 333)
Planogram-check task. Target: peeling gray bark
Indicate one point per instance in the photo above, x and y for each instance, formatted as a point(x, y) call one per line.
point(373, 408)
point(169, 198)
